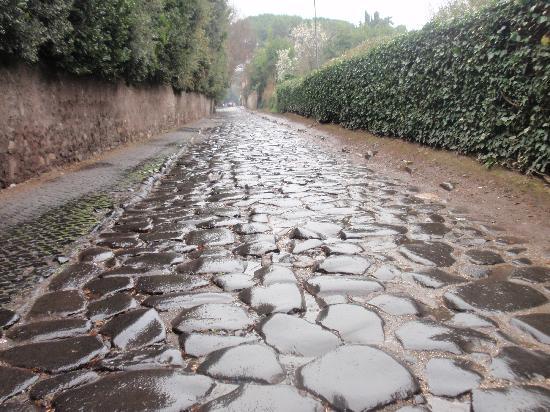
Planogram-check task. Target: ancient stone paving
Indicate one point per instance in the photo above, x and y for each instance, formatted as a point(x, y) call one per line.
point(262, 273)
point(38, 222)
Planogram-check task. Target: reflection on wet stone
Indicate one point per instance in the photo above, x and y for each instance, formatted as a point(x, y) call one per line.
point(256, 398)
point(345, 378)
point(137, 390)
point(248, 362)
point(288, 273)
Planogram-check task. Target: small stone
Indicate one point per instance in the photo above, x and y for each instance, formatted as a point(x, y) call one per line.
point(135, 329)
point(448, 186)
point(249, 362)
point(7, 318)
point(14, 381)
point(535, 324)
point(436, 278)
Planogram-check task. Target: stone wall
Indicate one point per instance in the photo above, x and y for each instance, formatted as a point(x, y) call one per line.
point(49, 119)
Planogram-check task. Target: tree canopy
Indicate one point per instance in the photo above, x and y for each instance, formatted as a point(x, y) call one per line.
point(177, 42)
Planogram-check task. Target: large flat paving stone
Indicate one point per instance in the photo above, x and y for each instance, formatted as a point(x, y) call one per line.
point(49, 330)
point(212, 316)
point(273, 274)
point(357, 378)
point(535, 324)
point(148, 358)
point(55, 304)
point(494, 296)
point(248, 362)
point(429, 253)
point(159, 284)
point(14, 381)
point(211, 237)
point(135, 329)
point(147, 390)
point(436, 278)
point(201, 344)
point(354, 323)
point(396, 305)
point(277, 298)
point(450, 378)
point(48, 388)
point(532, 274)
point(7, 318)
point(349, 265)
point(73, 276)
point(431, 336)
point(484, 257)
point(234, 282)
point(102, 287)
point(511, 399)
point(175, 301)
point(330, 285)
point(204, 266)
point(291, 335)
point(515, 363)
point(56, 356)
point(111, 306)
point(260, 398)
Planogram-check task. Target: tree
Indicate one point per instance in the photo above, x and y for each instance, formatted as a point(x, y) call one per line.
point(308, 42)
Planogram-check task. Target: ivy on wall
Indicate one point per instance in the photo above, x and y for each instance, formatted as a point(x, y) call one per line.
point(479, 85)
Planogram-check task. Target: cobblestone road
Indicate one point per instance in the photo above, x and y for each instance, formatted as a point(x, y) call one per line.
point(265, 274)
point(38, 222)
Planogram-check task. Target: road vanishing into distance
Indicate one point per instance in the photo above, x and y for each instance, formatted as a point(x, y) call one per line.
point(264, 273)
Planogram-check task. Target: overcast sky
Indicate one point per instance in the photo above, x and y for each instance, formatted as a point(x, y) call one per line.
point(412, 13)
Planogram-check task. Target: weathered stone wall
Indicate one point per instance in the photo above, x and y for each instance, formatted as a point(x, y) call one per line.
point(48, 120)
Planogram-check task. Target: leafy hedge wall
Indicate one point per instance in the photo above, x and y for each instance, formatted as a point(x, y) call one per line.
point(179, 42)
point(478, 85)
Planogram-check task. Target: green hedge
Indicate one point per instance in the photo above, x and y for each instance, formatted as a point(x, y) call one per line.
point(177, 42)
point(477, 85)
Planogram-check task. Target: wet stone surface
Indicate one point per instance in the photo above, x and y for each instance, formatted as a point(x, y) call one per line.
point(262, 272)
point(345, 378)
point(137, 390)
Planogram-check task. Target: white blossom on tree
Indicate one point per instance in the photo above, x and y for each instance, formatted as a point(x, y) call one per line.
point(286, 65)
point(307, 46)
